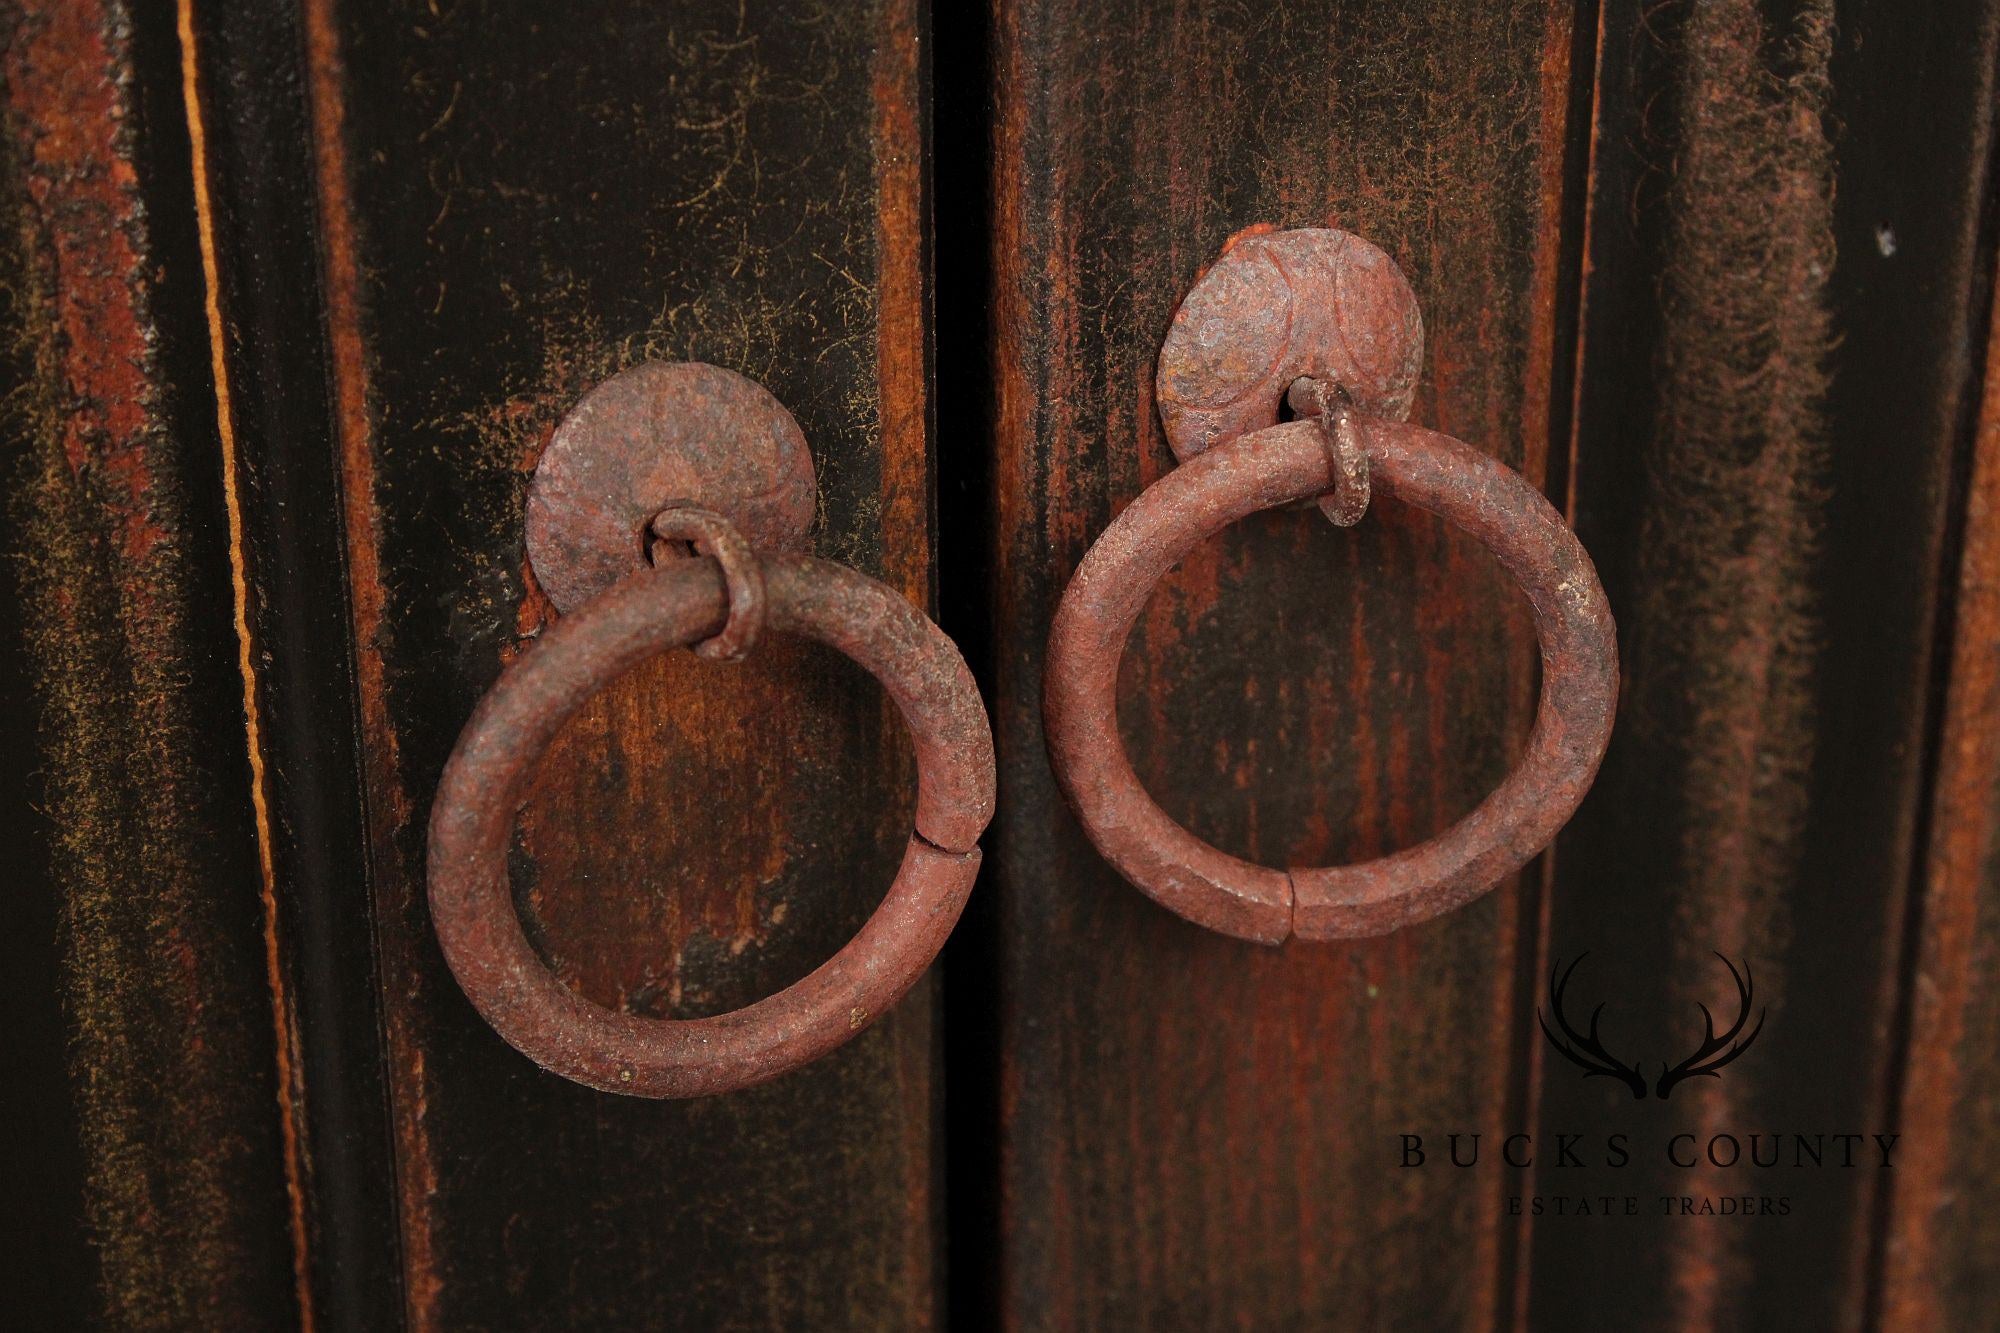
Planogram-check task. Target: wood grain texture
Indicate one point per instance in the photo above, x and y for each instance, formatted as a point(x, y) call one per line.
point(155, 1129)
point(1198, 1132)
point(515, 205)
point(1784, 272)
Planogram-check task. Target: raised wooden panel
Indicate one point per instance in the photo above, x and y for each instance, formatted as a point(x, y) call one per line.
point(146, 1155)
point(1942, 1251)
point(1784, 273)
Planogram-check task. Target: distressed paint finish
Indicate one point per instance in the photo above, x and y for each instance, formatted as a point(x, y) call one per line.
point(1729, 458)
point(515, 208)
point(258, 213)
point(1776, 421)
point(1942, 1258)
point(1782, 276)
point(1199, 1132)
point(142, 836)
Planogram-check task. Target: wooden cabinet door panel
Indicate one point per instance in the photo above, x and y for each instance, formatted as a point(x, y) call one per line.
point(1195, 1128)
point(398, 241)
point(534, 200)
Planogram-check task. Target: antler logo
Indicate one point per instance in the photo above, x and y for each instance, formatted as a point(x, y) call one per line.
point(1586, 1050)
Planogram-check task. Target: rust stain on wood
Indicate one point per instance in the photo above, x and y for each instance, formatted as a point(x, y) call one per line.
point(1943, 1247)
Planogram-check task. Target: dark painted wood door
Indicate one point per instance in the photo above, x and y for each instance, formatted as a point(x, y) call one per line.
point(293, 296)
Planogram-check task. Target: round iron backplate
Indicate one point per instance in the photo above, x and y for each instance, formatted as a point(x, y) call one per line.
point(1278, 305)
point(658, 434)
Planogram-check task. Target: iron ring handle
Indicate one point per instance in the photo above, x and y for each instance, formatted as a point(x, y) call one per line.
point(1280, 465)
point(486, 780)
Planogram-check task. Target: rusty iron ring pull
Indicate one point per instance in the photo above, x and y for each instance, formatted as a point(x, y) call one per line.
point(1329, 308)
point(655, 457)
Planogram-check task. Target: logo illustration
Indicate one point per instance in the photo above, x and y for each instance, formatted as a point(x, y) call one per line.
point(1586, 1050)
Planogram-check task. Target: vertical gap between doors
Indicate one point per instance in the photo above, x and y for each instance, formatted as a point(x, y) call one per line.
point(960, 194)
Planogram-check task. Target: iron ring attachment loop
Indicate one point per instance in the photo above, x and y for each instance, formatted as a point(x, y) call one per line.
point(1326, 402)
point(708, 533)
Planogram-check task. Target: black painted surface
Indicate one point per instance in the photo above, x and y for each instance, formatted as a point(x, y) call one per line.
point(46, 1262)
point(262, 193)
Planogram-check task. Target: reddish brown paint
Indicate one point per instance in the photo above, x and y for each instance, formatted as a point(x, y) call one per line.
point(1548, 279)
point(903, 339)
point(63, 77)
point(902, 329)
point(488, 778)
point(1265, 469)
point(1546, 419)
